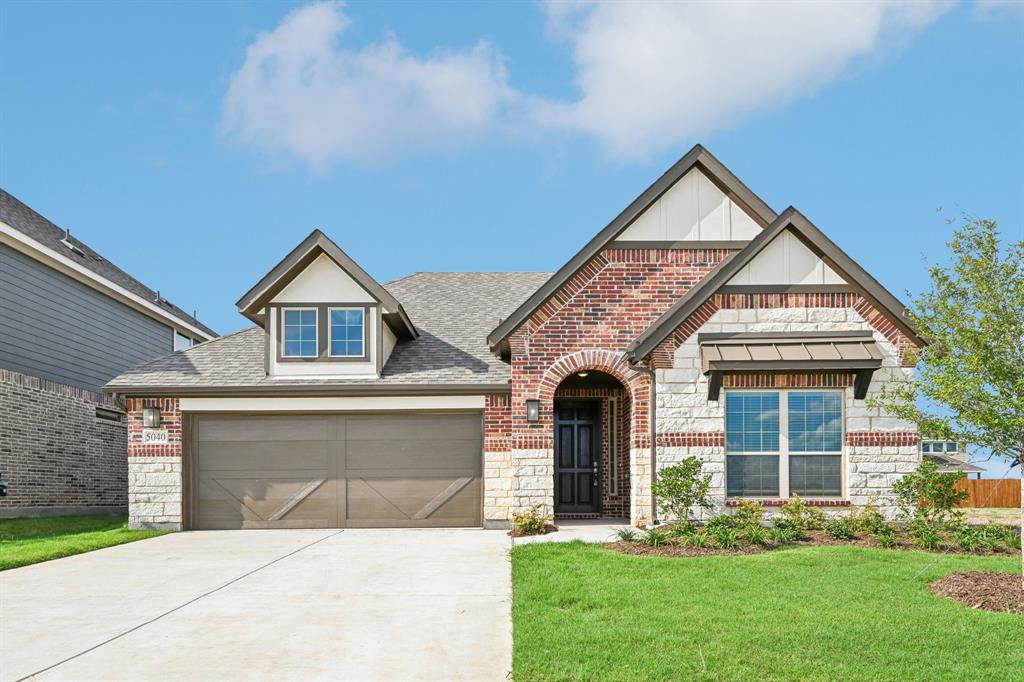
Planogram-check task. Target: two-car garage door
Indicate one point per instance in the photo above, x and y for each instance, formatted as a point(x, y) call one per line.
point(336, 471)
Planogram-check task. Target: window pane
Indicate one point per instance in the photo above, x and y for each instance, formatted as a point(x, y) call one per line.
point(347, 333)
point(752, 475)
point(300, 333)
point(815, 422)
point(816, 475)
point(950, 446)
point(752, 421)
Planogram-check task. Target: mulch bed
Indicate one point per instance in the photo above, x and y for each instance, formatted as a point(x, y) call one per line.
point(548, 528)
point(986, 590)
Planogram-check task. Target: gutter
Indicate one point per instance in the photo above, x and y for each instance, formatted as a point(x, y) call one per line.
point(306, 390)
point(652, 417)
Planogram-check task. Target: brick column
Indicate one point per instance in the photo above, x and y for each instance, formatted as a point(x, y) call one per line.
point(154, 471)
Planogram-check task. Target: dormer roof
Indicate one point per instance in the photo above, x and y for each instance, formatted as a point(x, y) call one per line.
point(253, 304)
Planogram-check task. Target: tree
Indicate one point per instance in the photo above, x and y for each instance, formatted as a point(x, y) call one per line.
point(970, 376)
point(681, 487)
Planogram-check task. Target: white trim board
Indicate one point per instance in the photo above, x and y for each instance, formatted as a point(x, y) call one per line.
point(337, 404)
point(44, 254)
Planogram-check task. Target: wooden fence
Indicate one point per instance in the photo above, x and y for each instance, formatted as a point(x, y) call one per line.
point(991, 492)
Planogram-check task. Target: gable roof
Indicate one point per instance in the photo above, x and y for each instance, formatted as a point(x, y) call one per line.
point(44, 236)
point(454, 312)
point(698, 157)
point(255, 300)
point(815, 240)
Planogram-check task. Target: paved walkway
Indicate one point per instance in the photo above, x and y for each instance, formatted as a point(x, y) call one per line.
point(265, 605)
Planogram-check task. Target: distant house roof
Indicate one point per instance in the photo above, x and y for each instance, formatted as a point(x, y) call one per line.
point(26, 221)
point(453, 313)
point(947, 463)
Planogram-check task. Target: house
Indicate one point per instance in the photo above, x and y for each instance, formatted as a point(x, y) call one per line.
point(699, 321)
point(949, 456)
point(70, 321)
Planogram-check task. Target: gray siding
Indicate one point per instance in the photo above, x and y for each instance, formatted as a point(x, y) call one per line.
point(57, 328)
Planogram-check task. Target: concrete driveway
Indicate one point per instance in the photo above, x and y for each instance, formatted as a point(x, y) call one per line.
point(265, 605)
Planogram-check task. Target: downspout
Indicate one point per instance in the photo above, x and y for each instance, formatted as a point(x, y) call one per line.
point(652, 415)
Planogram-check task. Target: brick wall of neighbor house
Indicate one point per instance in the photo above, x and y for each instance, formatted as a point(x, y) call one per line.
point(155, 483)
point(879, 448)
point(56, 454)
point(587, 324)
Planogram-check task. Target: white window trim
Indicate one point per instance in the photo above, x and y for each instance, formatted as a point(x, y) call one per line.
point(783, 453)
point(330, 330)
point(284, 330)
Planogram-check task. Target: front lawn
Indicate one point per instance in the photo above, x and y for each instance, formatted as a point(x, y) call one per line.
point(27, 541)
point(581, 612)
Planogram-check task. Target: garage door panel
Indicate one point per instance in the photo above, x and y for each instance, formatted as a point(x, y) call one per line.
point(411, 454)
point(415, 427)
point(267, 428)
point(265, 481)
point(267, 455)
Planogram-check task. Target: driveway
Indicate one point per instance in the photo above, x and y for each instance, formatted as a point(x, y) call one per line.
point(266, 605)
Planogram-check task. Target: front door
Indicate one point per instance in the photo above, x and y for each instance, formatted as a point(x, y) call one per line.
point(577, 454)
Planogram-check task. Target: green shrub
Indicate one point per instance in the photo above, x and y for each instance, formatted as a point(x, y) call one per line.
point(783, 527)
point(530, 521)
point(698, 538)
point(681, 529)
point(626, 534)
point(927, 534)
point(681, 487)
point(656, 538)
point(869, 519)
point(721, 521)
point(930, 495)
point(783, 535)
point(748, 513)
point(967, 538)
point(724, 537)
point(756, 535)
point(803, 515)
point(841, 529)
point(886, 537)
point(1011, 536)
point(991, 538)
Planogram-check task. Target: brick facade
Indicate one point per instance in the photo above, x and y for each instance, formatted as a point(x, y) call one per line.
point(61, 449)
point(155, 471)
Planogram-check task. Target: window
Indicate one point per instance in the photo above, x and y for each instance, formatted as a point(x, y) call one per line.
point(300, 340)
point(181, 342)
point(785, 442)
point(347, 333)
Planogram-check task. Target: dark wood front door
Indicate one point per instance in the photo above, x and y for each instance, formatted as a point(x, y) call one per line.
point(577, 457)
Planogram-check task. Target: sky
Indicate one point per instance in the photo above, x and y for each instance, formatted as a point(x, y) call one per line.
point(195, 144)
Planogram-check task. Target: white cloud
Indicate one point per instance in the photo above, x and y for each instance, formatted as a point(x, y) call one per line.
point(302, 91)
point(647, 75)
point(652, 75)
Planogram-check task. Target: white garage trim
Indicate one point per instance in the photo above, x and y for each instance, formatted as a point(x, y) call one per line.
point(340, 404)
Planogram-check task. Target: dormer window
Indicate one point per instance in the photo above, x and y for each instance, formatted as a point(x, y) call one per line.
point(300, 334)
point(347, 333)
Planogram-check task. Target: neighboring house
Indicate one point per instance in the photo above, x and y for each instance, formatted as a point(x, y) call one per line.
point(950, 456)
point(69, 322)
point(454, 399)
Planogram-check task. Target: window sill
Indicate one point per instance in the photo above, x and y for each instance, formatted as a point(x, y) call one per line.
point(778, 502)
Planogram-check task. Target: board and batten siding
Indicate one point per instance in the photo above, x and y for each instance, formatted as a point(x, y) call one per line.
point(57, 328)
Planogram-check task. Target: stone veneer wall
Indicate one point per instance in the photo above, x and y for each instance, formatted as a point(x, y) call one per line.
point(497, 461)
point(56, 454)
point(155, 473)
point(879, 448)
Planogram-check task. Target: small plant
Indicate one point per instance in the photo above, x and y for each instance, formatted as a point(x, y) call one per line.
point(721, 521)
point(927, 534)
point(783, 527)
point(681, 487)
point(991, 538)
point(869, 518)
point(1011, 536)
point(748, 513)
point(699, 539)
point(841, 529)
point(656, 538)
point(626, 534)
point(681, 529)
point(803, 515)
point(725, 537)
point(531, 521)
point(967, 538)
point(930, 495)
point(783, 535)
point(757, 535)
point(886, 537)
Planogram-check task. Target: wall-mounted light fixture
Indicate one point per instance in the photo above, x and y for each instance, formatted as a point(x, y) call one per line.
point(151, 417)
point(533, 410)
point(582, 374)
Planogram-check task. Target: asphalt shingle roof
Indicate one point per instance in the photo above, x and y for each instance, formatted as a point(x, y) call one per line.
point(30, 223)
point(453, 311)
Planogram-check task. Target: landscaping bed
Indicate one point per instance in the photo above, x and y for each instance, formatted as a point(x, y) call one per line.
point(25, 541)
point(983, 590)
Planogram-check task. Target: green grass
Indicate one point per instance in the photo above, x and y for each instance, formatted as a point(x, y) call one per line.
point(27, 541)
point(582, 612)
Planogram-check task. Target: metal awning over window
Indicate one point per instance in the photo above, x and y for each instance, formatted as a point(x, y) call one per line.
point(853, 351)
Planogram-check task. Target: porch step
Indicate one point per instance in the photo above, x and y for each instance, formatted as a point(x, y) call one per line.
point(580, 516)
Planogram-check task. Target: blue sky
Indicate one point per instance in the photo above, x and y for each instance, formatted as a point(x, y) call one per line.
point(194, 144)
